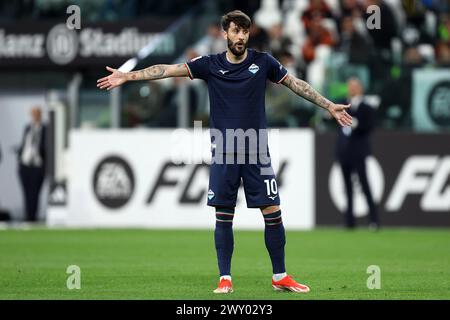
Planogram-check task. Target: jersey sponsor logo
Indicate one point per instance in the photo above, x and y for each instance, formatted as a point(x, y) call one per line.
point(210, 194)
point(253, 68)
point(223, 71)
point(273, 197)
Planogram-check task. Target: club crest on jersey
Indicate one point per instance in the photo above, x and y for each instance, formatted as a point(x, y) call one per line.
point(253, 68)
point(210, 194)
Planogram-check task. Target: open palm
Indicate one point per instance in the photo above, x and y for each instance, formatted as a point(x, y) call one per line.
point(115, 79)
point(338, 111)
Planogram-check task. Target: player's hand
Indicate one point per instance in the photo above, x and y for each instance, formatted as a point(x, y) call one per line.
point(338, 111)
point(115, 79)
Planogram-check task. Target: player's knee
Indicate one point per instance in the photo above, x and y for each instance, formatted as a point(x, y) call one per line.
point(270, 209)
point(273, 218)
point(224, 216)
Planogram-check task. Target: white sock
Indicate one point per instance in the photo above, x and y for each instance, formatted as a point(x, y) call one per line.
point(227, 277)
point(279, 276)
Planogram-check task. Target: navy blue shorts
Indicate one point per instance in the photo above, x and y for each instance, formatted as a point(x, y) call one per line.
point(258, 177)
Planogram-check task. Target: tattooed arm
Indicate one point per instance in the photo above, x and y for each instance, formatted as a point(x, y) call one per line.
point(305, 90)
point(160, 71)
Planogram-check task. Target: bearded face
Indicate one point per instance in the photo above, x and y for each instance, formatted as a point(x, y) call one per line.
point(237, 39)
point(237, 48)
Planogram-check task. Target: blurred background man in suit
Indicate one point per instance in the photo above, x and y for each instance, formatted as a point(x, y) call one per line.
point(352, 149)
point(32, 165)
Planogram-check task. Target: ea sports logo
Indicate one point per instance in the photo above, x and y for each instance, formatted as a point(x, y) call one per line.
point(62, 44)
point(113, 182)
point(338, 195)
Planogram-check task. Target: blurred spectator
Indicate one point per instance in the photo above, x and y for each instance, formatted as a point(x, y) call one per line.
point(417, 28)
point(280, 103)
point(112, 10)
point(352, 149)
point(258, 38)
point(316, 7)
point(144, 104)
point(382, 37)
point(444, 28)
point(213, 42)
point(279, 106)
point(278, 43)
point(353, 43)
point(165, 8)
point(397, 91)
point(353, 8)
point(32, 163)
point(443, 55)
point(414, 12)
point(248, 6)
point(268, 14)
point(12, 10)
point(412, 58)
point(288, 61)
point(317, 34)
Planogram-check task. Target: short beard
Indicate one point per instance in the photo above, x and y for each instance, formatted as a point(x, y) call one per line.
point(234, 50)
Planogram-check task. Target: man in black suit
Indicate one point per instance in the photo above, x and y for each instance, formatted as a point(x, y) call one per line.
point(352, 149)
point(32, 154)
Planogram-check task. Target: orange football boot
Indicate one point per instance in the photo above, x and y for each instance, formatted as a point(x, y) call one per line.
point(289, 284)
point(225, 286)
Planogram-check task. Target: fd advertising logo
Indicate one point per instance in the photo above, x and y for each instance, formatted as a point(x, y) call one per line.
point(113, 182)
point(423, 175)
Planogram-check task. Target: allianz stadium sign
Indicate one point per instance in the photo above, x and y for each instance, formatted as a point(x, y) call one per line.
point(56, 45)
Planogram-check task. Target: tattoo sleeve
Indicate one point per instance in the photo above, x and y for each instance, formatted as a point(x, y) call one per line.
point(150, 73)
point(158, 71)
point(304, 90)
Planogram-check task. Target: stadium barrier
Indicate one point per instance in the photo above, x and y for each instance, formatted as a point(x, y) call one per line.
point(408, 174)
point(135, 178)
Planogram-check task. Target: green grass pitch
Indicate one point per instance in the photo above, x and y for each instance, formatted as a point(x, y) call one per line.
point(181, 264)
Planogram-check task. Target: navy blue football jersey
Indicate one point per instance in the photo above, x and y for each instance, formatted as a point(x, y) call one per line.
point(237, 95)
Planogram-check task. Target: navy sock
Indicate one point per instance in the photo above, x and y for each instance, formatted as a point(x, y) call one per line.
point(223, 238)
point(275, 239)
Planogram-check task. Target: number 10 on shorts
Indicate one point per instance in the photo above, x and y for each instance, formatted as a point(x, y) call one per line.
point(271, 186)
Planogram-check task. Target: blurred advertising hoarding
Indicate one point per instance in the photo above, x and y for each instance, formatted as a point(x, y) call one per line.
point(431, 99)
point(53, 44)
point(409, 175)
point(128, 178)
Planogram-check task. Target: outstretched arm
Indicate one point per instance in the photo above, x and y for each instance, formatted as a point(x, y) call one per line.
point(304, 90)
point(160, 71)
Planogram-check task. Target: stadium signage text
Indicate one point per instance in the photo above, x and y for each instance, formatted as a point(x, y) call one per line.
point(21, 45)
point(190, 194)
point(426, 175)
point(128, 178)
point(59, 46)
